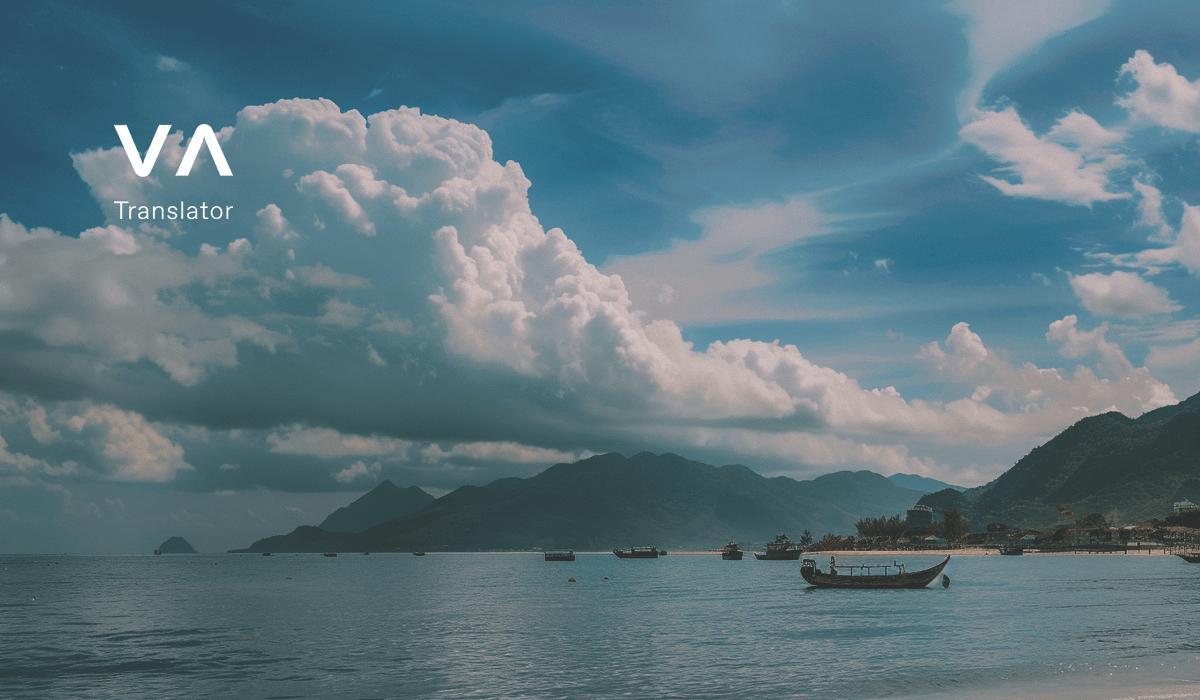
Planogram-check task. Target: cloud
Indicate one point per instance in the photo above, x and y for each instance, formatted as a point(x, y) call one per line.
point(726, 274)
point(1162, 96)
point(1077, 343)
point(1184, 251)
point(328, 443)
point(500, 452)
point(1071, 163)
point(354, 471)
point(132, 449)
point(387, 287)
point(1121, 294)
point(170, 65)
point(1000, 33)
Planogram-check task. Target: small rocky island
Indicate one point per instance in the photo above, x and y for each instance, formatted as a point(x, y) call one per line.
point(175, 545)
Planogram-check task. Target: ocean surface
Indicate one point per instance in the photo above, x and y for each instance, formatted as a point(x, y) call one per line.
point(512, 626)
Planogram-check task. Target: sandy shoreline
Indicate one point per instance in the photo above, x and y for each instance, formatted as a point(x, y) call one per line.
point(965, 552)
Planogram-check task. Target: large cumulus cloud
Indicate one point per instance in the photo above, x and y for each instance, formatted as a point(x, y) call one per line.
point(384, 301)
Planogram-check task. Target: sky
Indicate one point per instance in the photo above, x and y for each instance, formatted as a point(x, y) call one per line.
point(468, 241)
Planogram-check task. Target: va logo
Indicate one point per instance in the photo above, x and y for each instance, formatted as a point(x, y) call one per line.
point(204, 135)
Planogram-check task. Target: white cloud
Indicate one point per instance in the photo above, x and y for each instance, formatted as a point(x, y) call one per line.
point(1162, 96)
point(461, 283)
point(1071, 163)
point(1000, 33)
point(721, 276)
point(1077, 343)
point(354, 471)
point(1184, 252)
point(328, 443)
point(1121, 294)
point(500, 452)
point(134, 449)
point(168, 64)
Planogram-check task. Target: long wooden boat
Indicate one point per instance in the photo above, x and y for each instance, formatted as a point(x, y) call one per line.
point(1190, 557)
point(893, 576)
point(731, 552)
point(637, 553)
point(560, 556)
point(1012, 550)
point(781, 549)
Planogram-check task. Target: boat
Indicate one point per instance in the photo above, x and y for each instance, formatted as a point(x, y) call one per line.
point(266, 554)
point(781, 549)
point(331, 554)
point(158, 552)
point(865, 576)
point(1190, 557)
point(731, 552)
point(637, 553)
point(1012, 550)
point(560, 556)
point(418, 554)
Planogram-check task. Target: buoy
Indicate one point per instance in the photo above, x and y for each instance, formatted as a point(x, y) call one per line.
point(571, 580)
point(945, 581)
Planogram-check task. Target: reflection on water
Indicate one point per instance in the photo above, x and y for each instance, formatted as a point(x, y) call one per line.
point(511, 625)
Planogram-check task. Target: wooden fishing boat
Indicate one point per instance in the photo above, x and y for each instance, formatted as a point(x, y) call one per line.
point(331, 554)
point(637, 553)
point(781, 549)
point(731, 552)
point(865, 576)
point(1190, 557)
point(1012, 550)
point(560, 556)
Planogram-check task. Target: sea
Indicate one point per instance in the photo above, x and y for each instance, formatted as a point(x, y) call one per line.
point(510, 625)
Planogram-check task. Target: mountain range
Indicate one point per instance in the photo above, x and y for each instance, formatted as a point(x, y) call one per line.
point(1129, 470)
point(610, 501)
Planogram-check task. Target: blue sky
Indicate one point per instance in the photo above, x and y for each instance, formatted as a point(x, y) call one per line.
point(472, 240)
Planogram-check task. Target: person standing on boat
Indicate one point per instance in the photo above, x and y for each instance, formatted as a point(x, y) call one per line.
point(832, 564)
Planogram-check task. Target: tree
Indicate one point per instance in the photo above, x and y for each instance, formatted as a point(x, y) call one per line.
point(954, 524)
point(806, 539)
point(891, 528)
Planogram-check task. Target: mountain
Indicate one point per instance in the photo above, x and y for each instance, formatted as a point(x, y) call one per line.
point(921, 483)
point(383, 503)
point(176, 545)
point(1128, 470)
point(611, 501)
point(664, 500)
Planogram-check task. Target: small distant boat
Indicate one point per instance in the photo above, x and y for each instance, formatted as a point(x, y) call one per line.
point(366, 554)
point(157, 552)
point(1012, 550)
point(731, 552)
point(662, 552)
point(638, 553)
point(867, 578)
point(1190, 557)
point(560, 556)
point(331, 554)
point(418, 554)
point(781, 549)
point(266, 554)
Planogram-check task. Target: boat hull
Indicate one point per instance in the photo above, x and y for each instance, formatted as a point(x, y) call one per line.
point(731, 556)
point(1190, 557)
point(560, 556)
point(790, 555)
point(637, 553)
point(913, 579)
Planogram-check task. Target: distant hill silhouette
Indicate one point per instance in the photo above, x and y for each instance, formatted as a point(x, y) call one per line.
point(611, 501)
point(1128, 470)
point(383, 503)
point(176, 545)
point(922, 483)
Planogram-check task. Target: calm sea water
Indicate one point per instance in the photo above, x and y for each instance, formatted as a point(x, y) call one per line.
point(512, 626)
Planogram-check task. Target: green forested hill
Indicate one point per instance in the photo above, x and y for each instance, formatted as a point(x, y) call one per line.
point(1128, 470)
